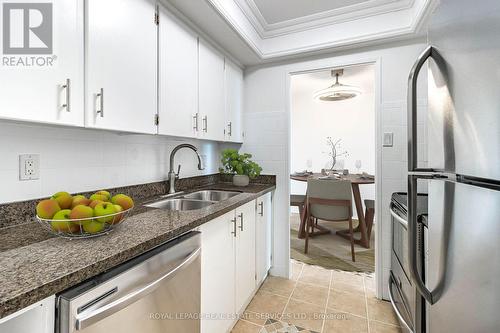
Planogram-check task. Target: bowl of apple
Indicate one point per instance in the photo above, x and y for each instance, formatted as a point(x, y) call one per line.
point(77, 216)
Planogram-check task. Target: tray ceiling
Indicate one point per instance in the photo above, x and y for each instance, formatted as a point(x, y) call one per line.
point(258, 31)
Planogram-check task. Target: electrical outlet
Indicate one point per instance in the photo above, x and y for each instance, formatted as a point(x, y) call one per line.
point(29, 167)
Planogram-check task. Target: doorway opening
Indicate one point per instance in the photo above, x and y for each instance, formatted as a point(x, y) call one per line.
point(332, 142)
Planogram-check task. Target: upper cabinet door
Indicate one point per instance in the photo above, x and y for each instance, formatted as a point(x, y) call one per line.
point(121, 41)
point(38, 63)
point(178, 77)
point(234, 102)
point(211, 93)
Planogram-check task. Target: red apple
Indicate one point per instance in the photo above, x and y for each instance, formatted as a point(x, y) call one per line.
point(46, 209)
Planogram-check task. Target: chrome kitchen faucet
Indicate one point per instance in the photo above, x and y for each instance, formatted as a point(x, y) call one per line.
point(172, 176)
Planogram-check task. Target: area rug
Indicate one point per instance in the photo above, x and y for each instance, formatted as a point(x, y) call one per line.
point(331, 251)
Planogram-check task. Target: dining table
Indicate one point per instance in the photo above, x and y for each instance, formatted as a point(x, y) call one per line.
point(356, 180)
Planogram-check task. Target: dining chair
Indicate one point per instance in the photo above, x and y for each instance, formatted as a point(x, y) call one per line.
point(329, 200)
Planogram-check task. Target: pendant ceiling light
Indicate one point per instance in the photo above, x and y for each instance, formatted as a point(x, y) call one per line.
point(337, 91)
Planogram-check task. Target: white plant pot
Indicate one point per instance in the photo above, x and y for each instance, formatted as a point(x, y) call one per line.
point(241, 180)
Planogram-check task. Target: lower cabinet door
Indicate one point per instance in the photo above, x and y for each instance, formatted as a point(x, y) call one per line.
point(217, 274)
point(38, 317)
point(263, 241)
point(245, 254)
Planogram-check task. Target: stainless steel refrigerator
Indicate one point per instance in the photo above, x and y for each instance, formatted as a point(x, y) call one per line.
point(460, 280)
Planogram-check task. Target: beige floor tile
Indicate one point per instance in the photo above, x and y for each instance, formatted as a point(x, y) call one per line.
point(381, 311)
point(303, 314)
point(254, 317)
point(348, 287)
point(376, 327)
point(311, 293)
point(347, 278)
point(266, 304)
point(296, 269)
point(315, 275)
point(243, 326)
point(278, 286)
point(340, 322)
point(347, 302)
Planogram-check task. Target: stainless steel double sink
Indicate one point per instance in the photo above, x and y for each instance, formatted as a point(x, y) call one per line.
point(192, 201)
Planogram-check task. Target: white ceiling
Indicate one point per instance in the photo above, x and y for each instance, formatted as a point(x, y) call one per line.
point(275, 11)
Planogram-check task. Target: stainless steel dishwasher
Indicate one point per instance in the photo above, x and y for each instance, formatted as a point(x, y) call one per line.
point(158, 291)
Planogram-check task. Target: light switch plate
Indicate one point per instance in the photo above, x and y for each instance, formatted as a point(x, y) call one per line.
point(388, 139)
point(29, 166)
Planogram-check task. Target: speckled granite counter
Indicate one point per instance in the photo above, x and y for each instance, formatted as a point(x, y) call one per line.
point(32, 272)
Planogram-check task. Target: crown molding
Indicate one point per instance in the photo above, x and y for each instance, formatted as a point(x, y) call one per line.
point(266, 49)
point(334, 16)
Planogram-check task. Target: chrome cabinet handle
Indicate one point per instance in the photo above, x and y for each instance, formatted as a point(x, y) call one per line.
point(429, 52)
point(241, 221)
point(230, 129)
point(398, 313)
point(84, 320)
point(234, 227)
point(412, 241)
point(205, 124)
point(261, 205)
point(67, 88)
point(100, 95)
point(195, 118)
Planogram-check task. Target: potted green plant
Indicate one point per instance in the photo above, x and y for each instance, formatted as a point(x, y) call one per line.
point(240, 166)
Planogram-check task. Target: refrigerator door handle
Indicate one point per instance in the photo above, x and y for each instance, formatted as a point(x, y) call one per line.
point(412, 241)
point(429, 52)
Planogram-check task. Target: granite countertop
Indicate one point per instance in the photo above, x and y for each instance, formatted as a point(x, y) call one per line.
point(35, 271)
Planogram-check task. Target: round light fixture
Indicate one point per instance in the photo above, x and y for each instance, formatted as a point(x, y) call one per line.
point(337, 91)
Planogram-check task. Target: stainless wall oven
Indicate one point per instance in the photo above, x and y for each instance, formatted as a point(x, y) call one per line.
point(403, 295)
point(158, 291)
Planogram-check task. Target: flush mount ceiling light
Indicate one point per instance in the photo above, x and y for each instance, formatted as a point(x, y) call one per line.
point(337, 91)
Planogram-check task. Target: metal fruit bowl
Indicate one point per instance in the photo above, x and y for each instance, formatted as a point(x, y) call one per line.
point(86, 227)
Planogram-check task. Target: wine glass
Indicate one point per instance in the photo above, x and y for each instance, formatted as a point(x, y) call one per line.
point(358, 165)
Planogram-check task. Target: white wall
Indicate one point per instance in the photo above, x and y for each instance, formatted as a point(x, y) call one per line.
point(77, 160)
point(352, 121)
point(267, 116)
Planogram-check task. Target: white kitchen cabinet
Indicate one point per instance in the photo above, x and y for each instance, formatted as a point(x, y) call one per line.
point(178, 77)
point(38, 317)
point(263, 237)
point(233, 87)
point(218, 273)
point(33, 87)
point(121, 71)
point(245, 254)
point(211, 93)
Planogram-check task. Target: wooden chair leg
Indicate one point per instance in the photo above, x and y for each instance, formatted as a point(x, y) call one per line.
point(306, 245)
point(369, 217)
point(351, 234)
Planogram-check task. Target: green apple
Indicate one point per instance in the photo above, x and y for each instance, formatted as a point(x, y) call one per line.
point(61, 222)
point(64, 199)
point(94, 203)
point(80, 200)
point(117, 218)
point(93, 227)
point(102, 209)
point(96, 196)
point(123, 200)
point(81, 212)
point(105, 193)
point(46, 209)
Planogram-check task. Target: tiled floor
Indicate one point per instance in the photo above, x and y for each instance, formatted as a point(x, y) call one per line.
point(318, 300)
